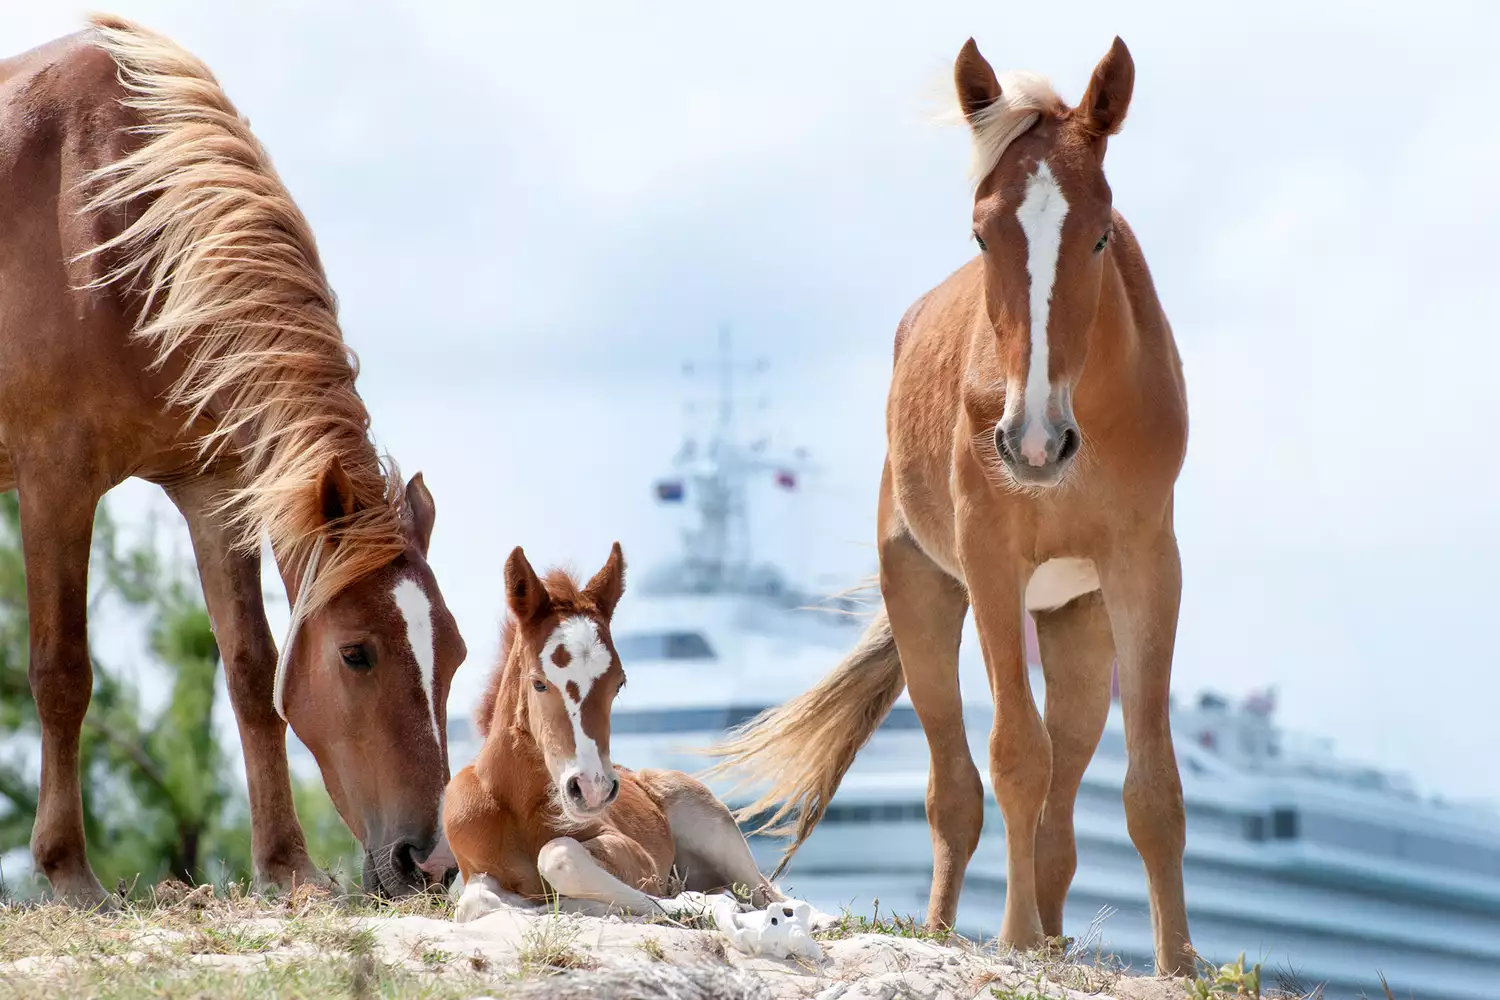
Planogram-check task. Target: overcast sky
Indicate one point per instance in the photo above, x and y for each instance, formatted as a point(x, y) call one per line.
point(532, 213)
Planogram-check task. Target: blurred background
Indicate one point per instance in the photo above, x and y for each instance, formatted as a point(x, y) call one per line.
point(535, 213)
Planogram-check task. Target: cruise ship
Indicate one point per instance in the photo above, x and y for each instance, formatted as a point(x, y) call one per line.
point(1328, 873)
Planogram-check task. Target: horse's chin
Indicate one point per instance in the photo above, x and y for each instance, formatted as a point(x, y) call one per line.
point(580, 817)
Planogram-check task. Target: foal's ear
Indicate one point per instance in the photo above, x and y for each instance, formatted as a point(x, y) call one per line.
point(1102, 110)
point(524, 593)
point(420, 512)
point(975, 79)
point(608, 585)
point(335, 492)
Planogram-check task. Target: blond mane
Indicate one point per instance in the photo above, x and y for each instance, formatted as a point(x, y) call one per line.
point(1024, 98)
point(234, 291)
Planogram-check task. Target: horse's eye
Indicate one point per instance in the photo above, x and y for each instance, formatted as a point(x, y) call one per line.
point(1103, 242)
point(539, 685)
point(355, 657)
point(980, 240)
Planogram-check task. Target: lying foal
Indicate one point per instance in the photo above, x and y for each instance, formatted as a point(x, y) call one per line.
point(543, 806)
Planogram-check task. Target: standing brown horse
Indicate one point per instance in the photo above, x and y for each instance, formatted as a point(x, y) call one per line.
point(543, 806)
point(164, 315)
point(1036, 426)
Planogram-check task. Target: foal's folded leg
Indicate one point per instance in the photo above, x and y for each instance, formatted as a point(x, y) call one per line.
point(711, 852)
point(483, 895)
point(586, 871)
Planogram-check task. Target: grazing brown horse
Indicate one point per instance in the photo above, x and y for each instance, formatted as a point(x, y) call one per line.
point(1036, 425)
point(543, 806)
point(164, 315)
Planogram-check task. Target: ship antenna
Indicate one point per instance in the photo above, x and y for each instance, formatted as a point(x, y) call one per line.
point(716, 474)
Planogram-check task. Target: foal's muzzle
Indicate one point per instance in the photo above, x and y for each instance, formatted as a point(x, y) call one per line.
point(590, 794)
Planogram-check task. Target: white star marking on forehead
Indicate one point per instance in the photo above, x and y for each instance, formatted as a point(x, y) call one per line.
point(588, 660)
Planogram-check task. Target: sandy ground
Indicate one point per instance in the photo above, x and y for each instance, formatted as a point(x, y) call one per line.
point(869, 966)
point(192, 945)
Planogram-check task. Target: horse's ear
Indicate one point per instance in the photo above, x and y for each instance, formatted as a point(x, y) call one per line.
point(1102, 110)
point(335, 492)
point(975, 79)
point(608, 585)
point(524, 592)
point(420, 512)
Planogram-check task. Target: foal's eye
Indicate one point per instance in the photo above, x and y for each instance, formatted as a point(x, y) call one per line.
point(980, 240)
point(539, 685)
point(1103, 242)
point(355, 657)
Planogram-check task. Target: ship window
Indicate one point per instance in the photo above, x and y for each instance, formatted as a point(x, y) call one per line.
point(1255, 828)
point(663, 646)
point(1284, 824)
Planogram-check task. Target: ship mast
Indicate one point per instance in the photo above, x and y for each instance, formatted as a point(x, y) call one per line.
point(716, 469)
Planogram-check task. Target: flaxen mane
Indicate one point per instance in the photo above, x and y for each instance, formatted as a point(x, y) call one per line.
point(1024, 98)
point(234, 290)
point(567, 599)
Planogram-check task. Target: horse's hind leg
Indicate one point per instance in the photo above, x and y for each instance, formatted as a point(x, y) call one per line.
point(710, 852)
point(1077, 650)
point(231, 588)
point(57, 520)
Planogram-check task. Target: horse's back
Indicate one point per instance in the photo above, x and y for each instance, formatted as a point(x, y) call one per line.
point(67, 365)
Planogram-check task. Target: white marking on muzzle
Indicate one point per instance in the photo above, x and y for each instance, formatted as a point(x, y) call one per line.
point(1041, 216)
point(416, 611)
point(588, 660)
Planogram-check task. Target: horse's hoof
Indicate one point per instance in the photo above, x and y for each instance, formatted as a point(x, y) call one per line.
point(477, 901)
point(287, 878)
point(82, 891)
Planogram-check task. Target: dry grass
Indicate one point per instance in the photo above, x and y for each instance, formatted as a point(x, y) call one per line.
point(182, 942)
point(551, 945)
point(190, 943)
point(651, 947)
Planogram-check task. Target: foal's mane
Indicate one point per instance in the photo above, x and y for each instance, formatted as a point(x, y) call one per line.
point(567, 600)
point(233, 289)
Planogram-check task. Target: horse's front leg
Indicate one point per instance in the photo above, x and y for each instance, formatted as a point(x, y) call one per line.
point(1143, 590)
point(607, 869)
point(231, 588)
point(57, 519)
point(1020, 750)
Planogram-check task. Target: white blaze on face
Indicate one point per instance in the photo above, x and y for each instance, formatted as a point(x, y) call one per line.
point(416, 611)
point(588, 660)
point(1041, 216)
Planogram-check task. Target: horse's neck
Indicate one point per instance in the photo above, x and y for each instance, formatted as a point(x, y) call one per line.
point(511, 705)
point(525, 778)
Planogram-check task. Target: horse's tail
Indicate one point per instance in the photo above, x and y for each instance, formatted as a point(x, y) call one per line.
point(799, 751)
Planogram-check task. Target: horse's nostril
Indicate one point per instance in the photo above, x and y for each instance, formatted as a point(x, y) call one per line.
point(1071, 439)
point(614, 790)
point(404, 858)
point(1002, 445)
point(575, 789)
